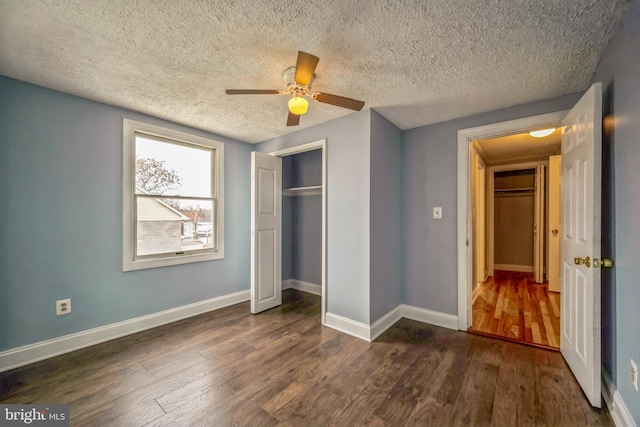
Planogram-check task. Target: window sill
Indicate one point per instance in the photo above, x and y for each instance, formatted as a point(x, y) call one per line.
point(143, 264)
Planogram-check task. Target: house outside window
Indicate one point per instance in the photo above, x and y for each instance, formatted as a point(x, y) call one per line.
point(172, 197)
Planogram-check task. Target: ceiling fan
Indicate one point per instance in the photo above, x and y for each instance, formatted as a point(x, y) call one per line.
point(298, 79)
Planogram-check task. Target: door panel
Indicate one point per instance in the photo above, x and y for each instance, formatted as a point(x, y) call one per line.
point(580, 320)
point(266, 191)
point(266, 232)
point(266, 278)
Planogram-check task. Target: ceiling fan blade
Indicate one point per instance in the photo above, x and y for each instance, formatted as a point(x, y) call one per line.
point(305, 67)
point(293, 119)
point(340, 101)
point(251, 92)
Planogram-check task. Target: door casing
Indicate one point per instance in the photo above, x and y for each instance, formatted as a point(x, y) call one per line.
point(465, 220)
point(554, 221)
point(315, 145)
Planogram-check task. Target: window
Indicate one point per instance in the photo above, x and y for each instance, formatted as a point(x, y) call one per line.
point(172, 197)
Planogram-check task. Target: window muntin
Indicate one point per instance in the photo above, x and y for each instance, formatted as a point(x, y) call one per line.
point(173, 204)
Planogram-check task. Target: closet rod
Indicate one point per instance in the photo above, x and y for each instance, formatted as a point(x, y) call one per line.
point(515, 190)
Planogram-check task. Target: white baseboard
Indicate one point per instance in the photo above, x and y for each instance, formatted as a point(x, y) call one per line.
point(370, 333)
point(514, 267)
point(436, 318)
point(303, 286)
point(385, 322)
point(617, 408)
point(348, 326)
point(21, 356)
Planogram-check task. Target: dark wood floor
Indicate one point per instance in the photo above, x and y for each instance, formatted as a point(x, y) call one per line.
point(283, 368)
point(512, 305)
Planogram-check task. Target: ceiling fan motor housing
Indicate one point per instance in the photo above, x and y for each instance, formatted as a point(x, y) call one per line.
point(293, 87)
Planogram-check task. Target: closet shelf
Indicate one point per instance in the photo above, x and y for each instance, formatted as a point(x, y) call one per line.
point(302, 191)
point(515, 190)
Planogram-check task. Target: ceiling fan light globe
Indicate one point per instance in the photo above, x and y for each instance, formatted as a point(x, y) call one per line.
point(298, 105)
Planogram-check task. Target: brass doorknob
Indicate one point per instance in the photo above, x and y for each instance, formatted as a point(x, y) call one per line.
point(554, 231)
point(580, 261)
point(604, 263)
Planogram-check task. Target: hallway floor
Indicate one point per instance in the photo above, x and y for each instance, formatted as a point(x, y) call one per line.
point(511, 305)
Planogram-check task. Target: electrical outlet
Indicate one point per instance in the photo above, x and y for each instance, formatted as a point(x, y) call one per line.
point(634, 374)
point(63, 307)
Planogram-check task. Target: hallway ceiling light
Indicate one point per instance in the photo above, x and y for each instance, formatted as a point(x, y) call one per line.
point(542, 133)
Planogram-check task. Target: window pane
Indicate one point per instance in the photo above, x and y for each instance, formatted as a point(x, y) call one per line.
point(170, 225)
point(172, 169)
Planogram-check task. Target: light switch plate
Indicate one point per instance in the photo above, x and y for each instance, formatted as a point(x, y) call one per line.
point(437, 212)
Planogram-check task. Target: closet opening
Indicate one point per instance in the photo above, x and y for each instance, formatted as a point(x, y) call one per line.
point(304, 230)
point(302, 222)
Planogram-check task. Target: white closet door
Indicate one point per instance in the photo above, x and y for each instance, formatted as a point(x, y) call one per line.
point(266, 232)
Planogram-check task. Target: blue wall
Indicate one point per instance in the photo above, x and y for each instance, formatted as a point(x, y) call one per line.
point(348, 143)
point(429, 166)
point(619, 72)
point(386, 216)
point(61, 220)
point(302, 169)
point(306, 237)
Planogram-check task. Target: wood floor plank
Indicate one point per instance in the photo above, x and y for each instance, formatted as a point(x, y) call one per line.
point(402, 398)
point(554, 299)
point(316, 403)
point(215, 389)
point(282, 368)
point(140, 415)
point(525, 396)
point(548, 326)
point(129, 392)
point(476, 399)
point(513, 306)
point(447, 383)
point(173, 361)
point(366, 399)
point(431, 412)
point(511, 406)
point(269, 367)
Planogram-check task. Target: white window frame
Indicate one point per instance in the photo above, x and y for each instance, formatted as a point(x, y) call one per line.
point(129, 261)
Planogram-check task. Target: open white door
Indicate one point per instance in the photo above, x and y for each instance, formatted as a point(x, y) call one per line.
point(538, 225)
point(581, 166)
point(266, 232)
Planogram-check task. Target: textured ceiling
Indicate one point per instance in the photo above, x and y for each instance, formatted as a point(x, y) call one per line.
point(520, 148)
point(415, 61)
